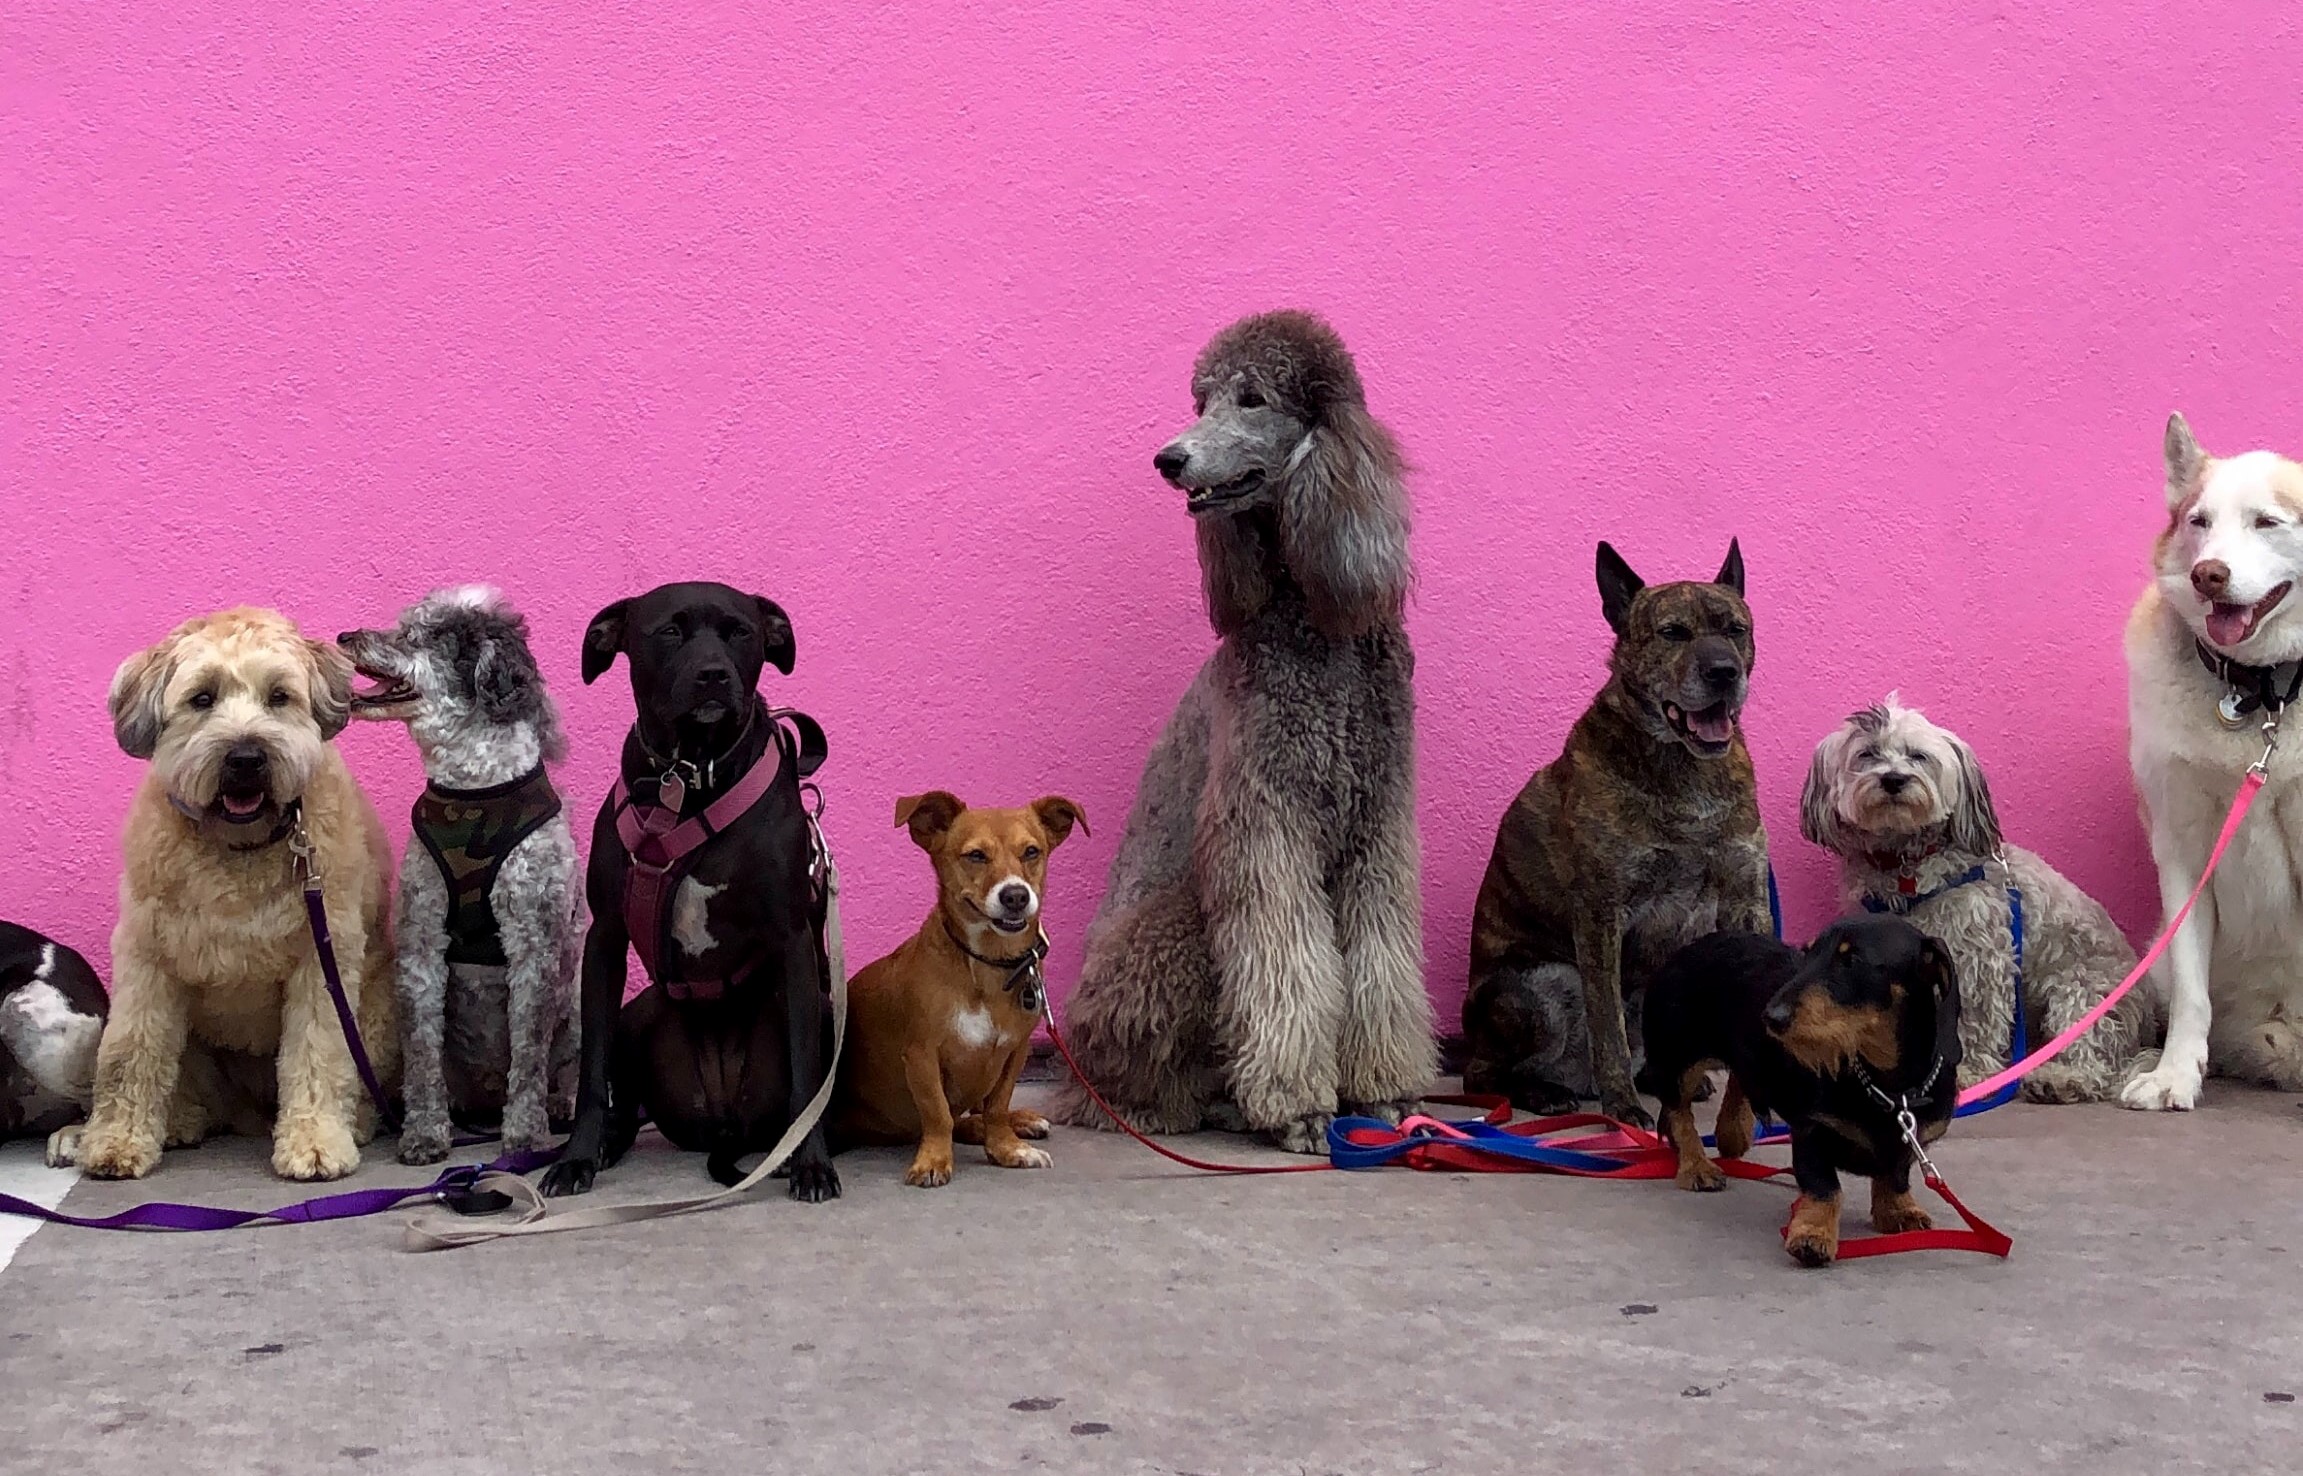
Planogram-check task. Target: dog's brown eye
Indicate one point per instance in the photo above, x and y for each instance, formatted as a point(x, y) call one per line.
point(978, 857)
point(1676, 633)
point(1031, 853)
point(202, 701)
point(2198, 520)
point(279, 697)
point(1250, 400)
point(2266, 522)
point(1738, 630)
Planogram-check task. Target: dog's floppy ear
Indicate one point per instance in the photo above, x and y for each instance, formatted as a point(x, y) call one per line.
point(1974, 821)
point(1343, 522)
point(929, 815)
point(1731, 572)
point(1618, 587)
point(1819, 798)
point(776, 634)
point(2186, 463)
point(331, 686)
point(506, 682)
point(603, 638)
point(1057, 816)
point(135, 695)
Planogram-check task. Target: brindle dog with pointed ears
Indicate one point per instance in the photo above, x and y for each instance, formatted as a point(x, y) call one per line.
point(1642, 835)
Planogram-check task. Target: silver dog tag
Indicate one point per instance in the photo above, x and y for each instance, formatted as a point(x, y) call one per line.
point(2227, 711)
point(671, 792)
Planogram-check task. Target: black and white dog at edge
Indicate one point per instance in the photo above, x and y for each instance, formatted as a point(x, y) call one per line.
point(490, 927)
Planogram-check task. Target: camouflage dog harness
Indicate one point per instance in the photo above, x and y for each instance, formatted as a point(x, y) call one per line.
point(470, 833)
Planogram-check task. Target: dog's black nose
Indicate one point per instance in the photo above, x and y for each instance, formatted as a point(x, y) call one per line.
point(244, 761)
point(1894, 783)
point(1778, 1017)
point(1171, 461)
point(1015, 897)
point(345, 637)
point(2212, 578)
point(717, 678)
point(1721, 676)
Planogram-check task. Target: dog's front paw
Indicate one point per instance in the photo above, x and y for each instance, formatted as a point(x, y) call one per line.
point(1027, 1123)
point(931, 1168)
point(2057, 1083)
point(427, 1144)
point(1627, 1111)
point(1307, 1134)
point(1813, 1239)
point(314, 1150)
point(1021, 1156)
point(64, 1146)
point(569, 1176)
point(1893, 1213)
point(1700, 1175)
point(107, 1154)
point(814, 1180)
point(2168, 1088)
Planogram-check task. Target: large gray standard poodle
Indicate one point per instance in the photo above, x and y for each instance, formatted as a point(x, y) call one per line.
point(1258, 958)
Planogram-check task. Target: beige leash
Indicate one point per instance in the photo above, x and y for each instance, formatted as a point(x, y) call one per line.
point(531, 1214)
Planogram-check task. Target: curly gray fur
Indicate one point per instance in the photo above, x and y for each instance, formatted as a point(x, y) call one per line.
point(1258, 960)
point(1894, 796)
point(479, 1040)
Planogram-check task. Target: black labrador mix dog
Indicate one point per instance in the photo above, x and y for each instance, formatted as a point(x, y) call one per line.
point(701, 861)
point(1835, 1040)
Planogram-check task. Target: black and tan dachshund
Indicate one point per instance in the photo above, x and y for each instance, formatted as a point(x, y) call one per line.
point(1835, 1040)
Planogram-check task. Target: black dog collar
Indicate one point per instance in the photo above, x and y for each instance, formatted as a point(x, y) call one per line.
point(675, 776)
point(2252, 688)
point(1023, 980)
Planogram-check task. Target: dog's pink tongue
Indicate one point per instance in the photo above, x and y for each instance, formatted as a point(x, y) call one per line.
point(1712, 725)
point(235, 805)
point(2228, 625)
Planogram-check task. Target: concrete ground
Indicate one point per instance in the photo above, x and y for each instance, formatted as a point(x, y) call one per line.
point(1116, 1314)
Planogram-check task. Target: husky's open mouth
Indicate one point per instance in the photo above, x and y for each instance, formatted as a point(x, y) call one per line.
point(1709, 731)
point(2231, 625)
point(1210, 499)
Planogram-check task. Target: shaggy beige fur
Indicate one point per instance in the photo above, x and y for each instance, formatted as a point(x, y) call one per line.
point(213, 955)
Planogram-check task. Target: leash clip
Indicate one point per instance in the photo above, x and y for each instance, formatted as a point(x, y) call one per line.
point(303, 855)
point(2261, 768)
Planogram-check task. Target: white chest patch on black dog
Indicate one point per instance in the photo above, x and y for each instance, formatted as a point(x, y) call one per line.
point(691, 912)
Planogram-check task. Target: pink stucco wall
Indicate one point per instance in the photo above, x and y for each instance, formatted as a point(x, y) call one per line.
point(882, 310)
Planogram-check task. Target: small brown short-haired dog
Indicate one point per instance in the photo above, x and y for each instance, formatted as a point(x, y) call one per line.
point(940, 1029)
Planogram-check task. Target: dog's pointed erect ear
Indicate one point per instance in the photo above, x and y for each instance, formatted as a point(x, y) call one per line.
point(776, 634)
point(1618, 587)
point(2186, 463)
point(603, 638)
point(1974, 820)
point(1731, 572)
point(929, 815)
point(1057, 816)
point(331, 686)
point(135, 696)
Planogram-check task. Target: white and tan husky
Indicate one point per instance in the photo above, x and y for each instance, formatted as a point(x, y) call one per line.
point(2214, 648)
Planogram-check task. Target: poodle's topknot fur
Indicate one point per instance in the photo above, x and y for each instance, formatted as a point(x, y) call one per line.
point(1258, 958)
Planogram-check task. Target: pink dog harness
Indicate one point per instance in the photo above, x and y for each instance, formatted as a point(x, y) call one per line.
point(660, 847)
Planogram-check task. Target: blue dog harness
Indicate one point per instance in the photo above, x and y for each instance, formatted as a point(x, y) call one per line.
point(1901, 903)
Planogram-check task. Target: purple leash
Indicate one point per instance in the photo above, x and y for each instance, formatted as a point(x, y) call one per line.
point(454, 1186)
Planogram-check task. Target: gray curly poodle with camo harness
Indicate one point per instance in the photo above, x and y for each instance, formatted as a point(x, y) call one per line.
point(490, 927)
point(1257, 962)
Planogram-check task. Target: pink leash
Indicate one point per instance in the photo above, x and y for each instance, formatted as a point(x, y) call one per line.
point(2249, 786)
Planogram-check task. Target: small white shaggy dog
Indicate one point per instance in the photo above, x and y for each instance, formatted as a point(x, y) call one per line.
point(1905, 807)
point(2214, 649)
point(212, 961)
